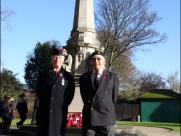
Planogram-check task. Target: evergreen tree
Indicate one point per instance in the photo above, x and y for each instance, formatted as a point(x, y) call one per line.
point(9, 83)
point(39, 60)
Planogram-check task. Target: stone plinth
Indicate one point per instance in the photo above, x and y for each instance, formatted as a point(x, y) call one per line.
point(77, 104)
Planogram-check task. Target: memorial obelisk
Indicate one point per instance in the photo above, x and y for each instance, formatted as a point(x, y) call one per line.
point(83, 41)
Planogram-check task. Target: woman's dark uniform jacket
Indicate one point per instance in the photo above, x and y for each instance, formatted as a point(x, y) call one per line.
point(5, 111)
point(54, 99)
point(99, 109)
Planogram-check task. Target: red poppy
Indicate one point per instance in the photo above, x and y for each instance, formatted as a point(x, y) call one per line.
point(74, 120)
point(105, 76)
point(69, 118)
point(77, 120)
point(60, 74)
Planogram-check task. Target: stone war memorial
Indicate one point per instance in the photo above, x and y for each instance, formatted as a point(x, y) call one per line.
point(83, 41)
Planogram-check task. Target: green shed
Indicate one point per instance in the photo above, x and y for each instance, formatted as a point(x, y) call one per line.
point(160, 105)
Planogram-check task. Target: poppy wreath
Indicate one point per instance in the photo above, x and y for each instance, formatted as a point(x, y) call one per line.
point(69, 120)
point(77, 120)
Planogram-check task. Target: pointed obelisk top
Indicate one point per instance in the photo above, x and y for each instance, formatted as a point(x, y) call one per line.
point(83, 31)
point(84, 16)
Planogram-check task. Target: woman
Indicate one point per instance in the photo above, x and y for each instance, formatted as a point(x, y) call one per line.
point(6, 114)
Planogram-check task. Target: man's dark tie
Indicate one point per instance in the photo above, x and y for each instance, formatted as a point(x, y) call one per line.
point(96, 82)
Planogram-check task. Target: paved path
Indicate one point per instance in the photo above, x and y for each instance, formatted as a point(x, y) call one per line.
point(151, 131)
point(154, 131)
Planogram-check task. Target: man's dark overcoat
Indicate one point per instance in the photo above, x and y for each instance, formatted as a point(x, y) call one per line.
point(55, 92)
point(22, 107)
point(99, 109)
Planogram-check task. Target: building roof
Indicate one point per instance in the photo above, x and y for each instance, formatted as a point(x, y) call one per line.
point(26, 87)
point(160, 93)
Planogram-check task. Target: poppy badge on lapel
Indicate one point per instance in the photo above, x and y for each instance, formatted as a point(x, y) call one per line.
point(105, 76)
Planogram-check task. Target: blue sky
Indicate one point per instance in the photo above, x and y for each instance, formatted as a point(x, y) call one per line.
point(43, 20)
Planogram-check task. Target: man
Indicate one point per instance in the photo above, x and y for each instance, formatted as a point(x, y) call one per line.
point(55, 92)
point(99, 91)
point(22, 110)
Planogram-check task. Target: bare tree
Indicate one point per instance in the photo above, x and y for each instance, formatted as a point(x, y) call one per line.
point(125, 25)
point(130, 81)
point(173, 82)
point(151, 81)
point(129, 85)
point(128, 96)
point(6, 16)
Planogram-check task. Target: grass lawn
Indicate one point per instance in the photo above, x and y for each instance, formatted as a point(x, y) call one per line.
point(14, 121)
point(172, 126)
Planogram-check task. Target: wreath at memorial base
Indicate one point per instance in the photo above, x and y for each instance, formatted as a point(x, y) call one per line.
point(74, 120)
point(69, 120)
